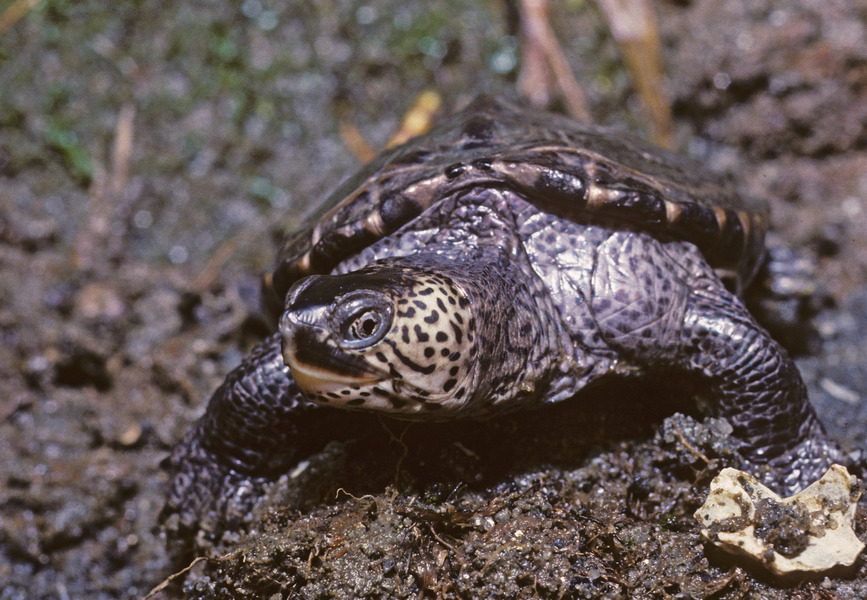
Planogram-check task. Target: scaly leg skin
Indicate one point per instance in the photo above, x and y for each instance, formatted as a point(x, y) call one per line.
point(759, 390)
point(669, 310)
point(256, 427)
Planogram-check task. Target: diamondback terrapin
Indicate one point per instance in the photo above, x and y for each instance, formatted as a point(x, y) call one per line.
point(505, 260)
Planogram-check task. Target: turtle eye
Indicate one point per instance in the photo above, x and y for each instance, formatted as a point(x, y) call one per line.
point(365, 326)
point(362, 319)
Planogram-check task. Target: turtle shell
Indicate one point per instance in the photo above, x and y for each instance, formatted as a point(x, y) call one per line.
point(562, 166)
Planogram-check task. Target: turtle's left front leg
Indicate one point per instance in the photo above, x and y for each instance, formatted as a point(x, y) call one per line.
point(759, 390)
point(668, 310)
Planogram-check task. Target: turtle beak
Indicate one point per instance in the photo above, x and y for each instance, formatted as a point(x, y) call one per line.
point(317, 363)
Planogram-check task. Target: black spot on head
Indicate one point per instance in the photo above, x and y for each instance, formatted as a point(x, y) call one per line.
point(454, 371)
point(409, 313)
point(356, 402)
point(333, 395)
point(459, 335)
point(381, 357)
point(429, 352)
point(420, 304)
point(442, 336)
point(432, 318)
point(420, 335)
point(460, 393)
point(441, 304)
point(454, 356)
point(458, 316)
point(451, 383)
point(426, 292)
point(463, 301)
point(444, 352)
point(404, 334)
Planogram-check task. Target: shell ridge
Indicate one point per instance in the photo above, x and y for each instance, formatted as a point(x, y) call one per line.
point(568, 168)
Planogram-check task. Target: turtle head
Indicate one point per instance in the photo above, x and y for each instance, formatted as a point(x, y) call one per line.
point(389, 338)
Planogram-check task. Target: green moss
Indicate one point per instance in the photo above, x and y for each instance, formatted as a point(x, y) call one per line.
point(76, 158)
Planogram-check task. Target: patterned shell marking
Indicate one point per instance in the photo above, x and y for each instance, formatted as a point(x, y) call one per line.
point(571, 169)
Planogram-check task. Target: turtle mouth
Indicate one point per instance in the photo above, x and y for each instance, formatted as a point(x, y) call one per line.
point(318, 366)
point(312, 378)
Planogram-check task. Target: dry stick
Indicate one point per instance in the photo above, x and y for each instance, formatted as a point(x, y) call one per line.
point(14, 13)
point(356, 142)
point(210, 272)
point(121, 152)
point(104, 193)
point(537, 32)
point(634, 27)
point(165, 582)
point(418, 119)
point(689, 446)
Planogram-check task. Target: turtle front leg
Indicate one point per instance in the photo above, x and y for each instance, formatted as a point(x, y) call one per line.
point(256, 427)
point(670, 311)
point(758, 390)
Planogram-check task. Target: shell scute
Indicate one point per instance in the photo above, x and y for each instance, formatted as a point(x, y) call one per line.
point(571, 169)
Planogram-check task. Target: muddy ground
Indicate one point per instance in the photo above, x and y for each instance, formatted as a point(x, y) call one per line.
point(150, 154)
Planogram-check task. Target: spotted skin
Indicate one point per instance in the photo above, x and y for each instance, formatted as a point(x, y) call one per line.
point(464, 277)
point(421, 364)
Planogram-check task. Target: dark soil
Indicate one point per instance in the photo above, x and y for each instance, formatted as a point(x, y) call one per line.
point(129, 287)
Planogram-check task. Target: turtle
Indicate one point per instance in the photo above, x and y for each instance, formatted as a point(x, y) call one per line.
point(507, 259)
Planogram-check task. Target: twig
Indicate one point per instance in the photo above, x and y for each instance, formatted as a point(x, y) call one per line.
point(633, 25)
point(539, 37)
point(168, 580)
point(14, 13)
point(689, 446)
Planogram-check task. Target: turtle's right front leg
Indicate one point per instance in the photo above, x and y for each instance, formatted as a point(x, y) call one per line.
point(256, 427)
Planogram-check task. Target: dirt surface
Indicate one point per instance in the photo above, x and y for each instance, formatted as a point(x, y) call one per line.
point(150, 154)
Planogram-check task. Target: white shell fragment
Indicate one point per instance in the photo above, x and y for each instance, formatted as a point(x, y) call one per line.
point(808, 532)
